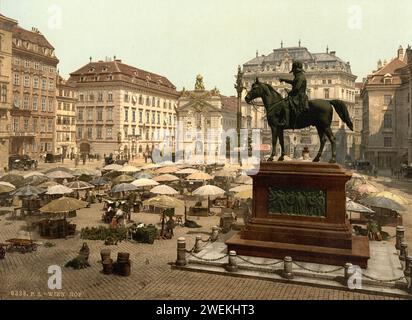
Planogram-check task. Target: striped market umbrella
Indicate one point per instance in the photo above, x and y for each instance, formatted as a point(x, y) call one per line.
point(28, 191)
point(124, 178)
point(79, 185)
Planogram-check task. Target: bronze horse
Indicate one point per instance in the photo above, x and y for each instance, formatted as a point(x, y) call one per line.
point(319, 115)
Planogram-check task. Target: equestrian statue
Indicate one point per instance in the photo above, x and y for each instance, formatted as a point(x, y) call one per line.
point(297, 112)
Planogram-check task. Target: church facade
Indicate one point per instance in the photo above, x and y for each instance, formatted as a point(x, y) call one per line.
point(205, 118)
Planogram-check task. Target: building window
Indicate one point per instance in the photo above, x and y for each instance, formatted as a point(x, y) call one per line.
point(51, 85)
point(147, 117)
point(153, 117)
point(100, 97)
point(99, 114)
point(147, 101)
point(16, 79)
point(387, 142)
point(79, 133)
point(110, 114)
point(326, 91)
point(50, 125)
point(90, 133)
point(43, 104)
point(99, 132)
point(3, 93)
point(26, 124)
point(81, 98)
point(153, 102)
point(35, 98)
point(133, 115)
point(140, 116)
point(109, 133)
point(35, 82)
point(126, 97)
point(89, 114)
point(387, 99)
point(126, 114)
point(110, 97)
point(158, 118)
point(15, 124)
point(80, 114)
point(34, 125)
point(26, 102)
point(51, 105)
point(43, 84)
point(387, 121)
point(329, 81)
point(27, 81)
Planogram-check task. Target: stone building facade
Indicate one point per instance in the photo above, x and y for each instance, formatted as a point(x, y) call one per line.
point(65, 124)
point(6, 90)
point(34, 93)
point(328, 77)
point(203, 116)
point(387, 112)
point(121, 109)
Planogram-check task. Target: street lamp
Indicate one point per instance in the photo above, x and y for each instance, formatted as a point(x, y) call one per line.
point(239, 88)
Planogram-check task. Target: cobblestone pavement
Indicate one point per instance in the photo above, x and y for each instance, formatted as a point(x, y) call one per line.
point(25, 275)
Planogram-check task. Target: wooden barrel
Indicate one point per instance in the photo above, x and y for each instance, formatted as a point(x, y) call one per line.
point(123, 257)
point(124, 268)
point(107, 266)
point(105, 254)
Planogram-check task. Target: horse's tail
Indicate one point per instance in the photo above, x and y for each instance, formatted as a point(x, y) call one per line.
point(342, 111)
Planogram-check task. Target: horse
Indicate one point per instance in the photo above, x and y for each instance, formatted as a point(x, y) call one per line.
point(319, 114)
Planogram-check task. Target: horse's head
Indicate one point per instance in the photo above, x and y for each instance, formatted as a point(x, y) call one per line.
point(256, 91)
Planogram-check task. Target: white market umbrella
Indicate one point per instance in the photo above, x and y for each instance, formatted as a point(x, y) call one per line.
point(59, 175)
point(112, 167)
point(187, 171)
point(208, 191)
point(59, 189)
point(166, 178)
point(163, 189)
point(241, 188)
point(199, 176)
point(33, 174)
point(143, 182)
point(129, 169)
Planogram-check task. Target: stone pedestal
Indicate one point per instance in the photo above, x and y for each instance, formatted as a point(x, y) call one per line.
point(299, 210)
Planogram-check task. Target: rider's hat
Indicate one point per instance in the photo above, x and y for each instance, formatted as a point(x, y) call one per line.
point(297, 66)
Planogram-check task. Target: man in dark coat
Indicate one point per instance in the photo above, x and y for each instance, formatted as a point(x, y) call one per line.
point(298, 100)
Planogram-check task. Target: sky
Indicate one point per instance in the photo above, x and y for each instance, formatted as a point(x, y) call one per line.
point(182, 38)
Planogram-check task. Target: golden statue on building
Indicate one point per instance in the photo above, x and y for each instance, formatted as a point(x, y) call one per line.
point(199, 83)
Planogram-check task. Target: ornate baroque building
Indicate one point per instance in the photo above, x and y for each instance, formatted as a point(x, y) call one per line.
point(386, 95)
point(203, 115)
point(122, 109)
point(328, 77)
point(6, 91)
point(65, 118)
point(34, 93)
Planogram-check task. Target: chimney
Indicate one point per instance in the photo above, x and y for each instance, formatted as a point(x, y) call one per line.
point(257, 53)
point(379, 64)
point(333, 53)
point(400, 53)
point(327, 49)
point(35, 30)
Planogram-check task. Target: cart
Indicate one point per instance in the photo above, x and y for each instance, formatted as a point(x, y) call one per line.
point(21, 245)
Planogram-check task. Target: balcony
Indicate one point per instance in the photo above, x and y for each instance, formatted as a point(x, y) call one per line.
point(22, 134)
